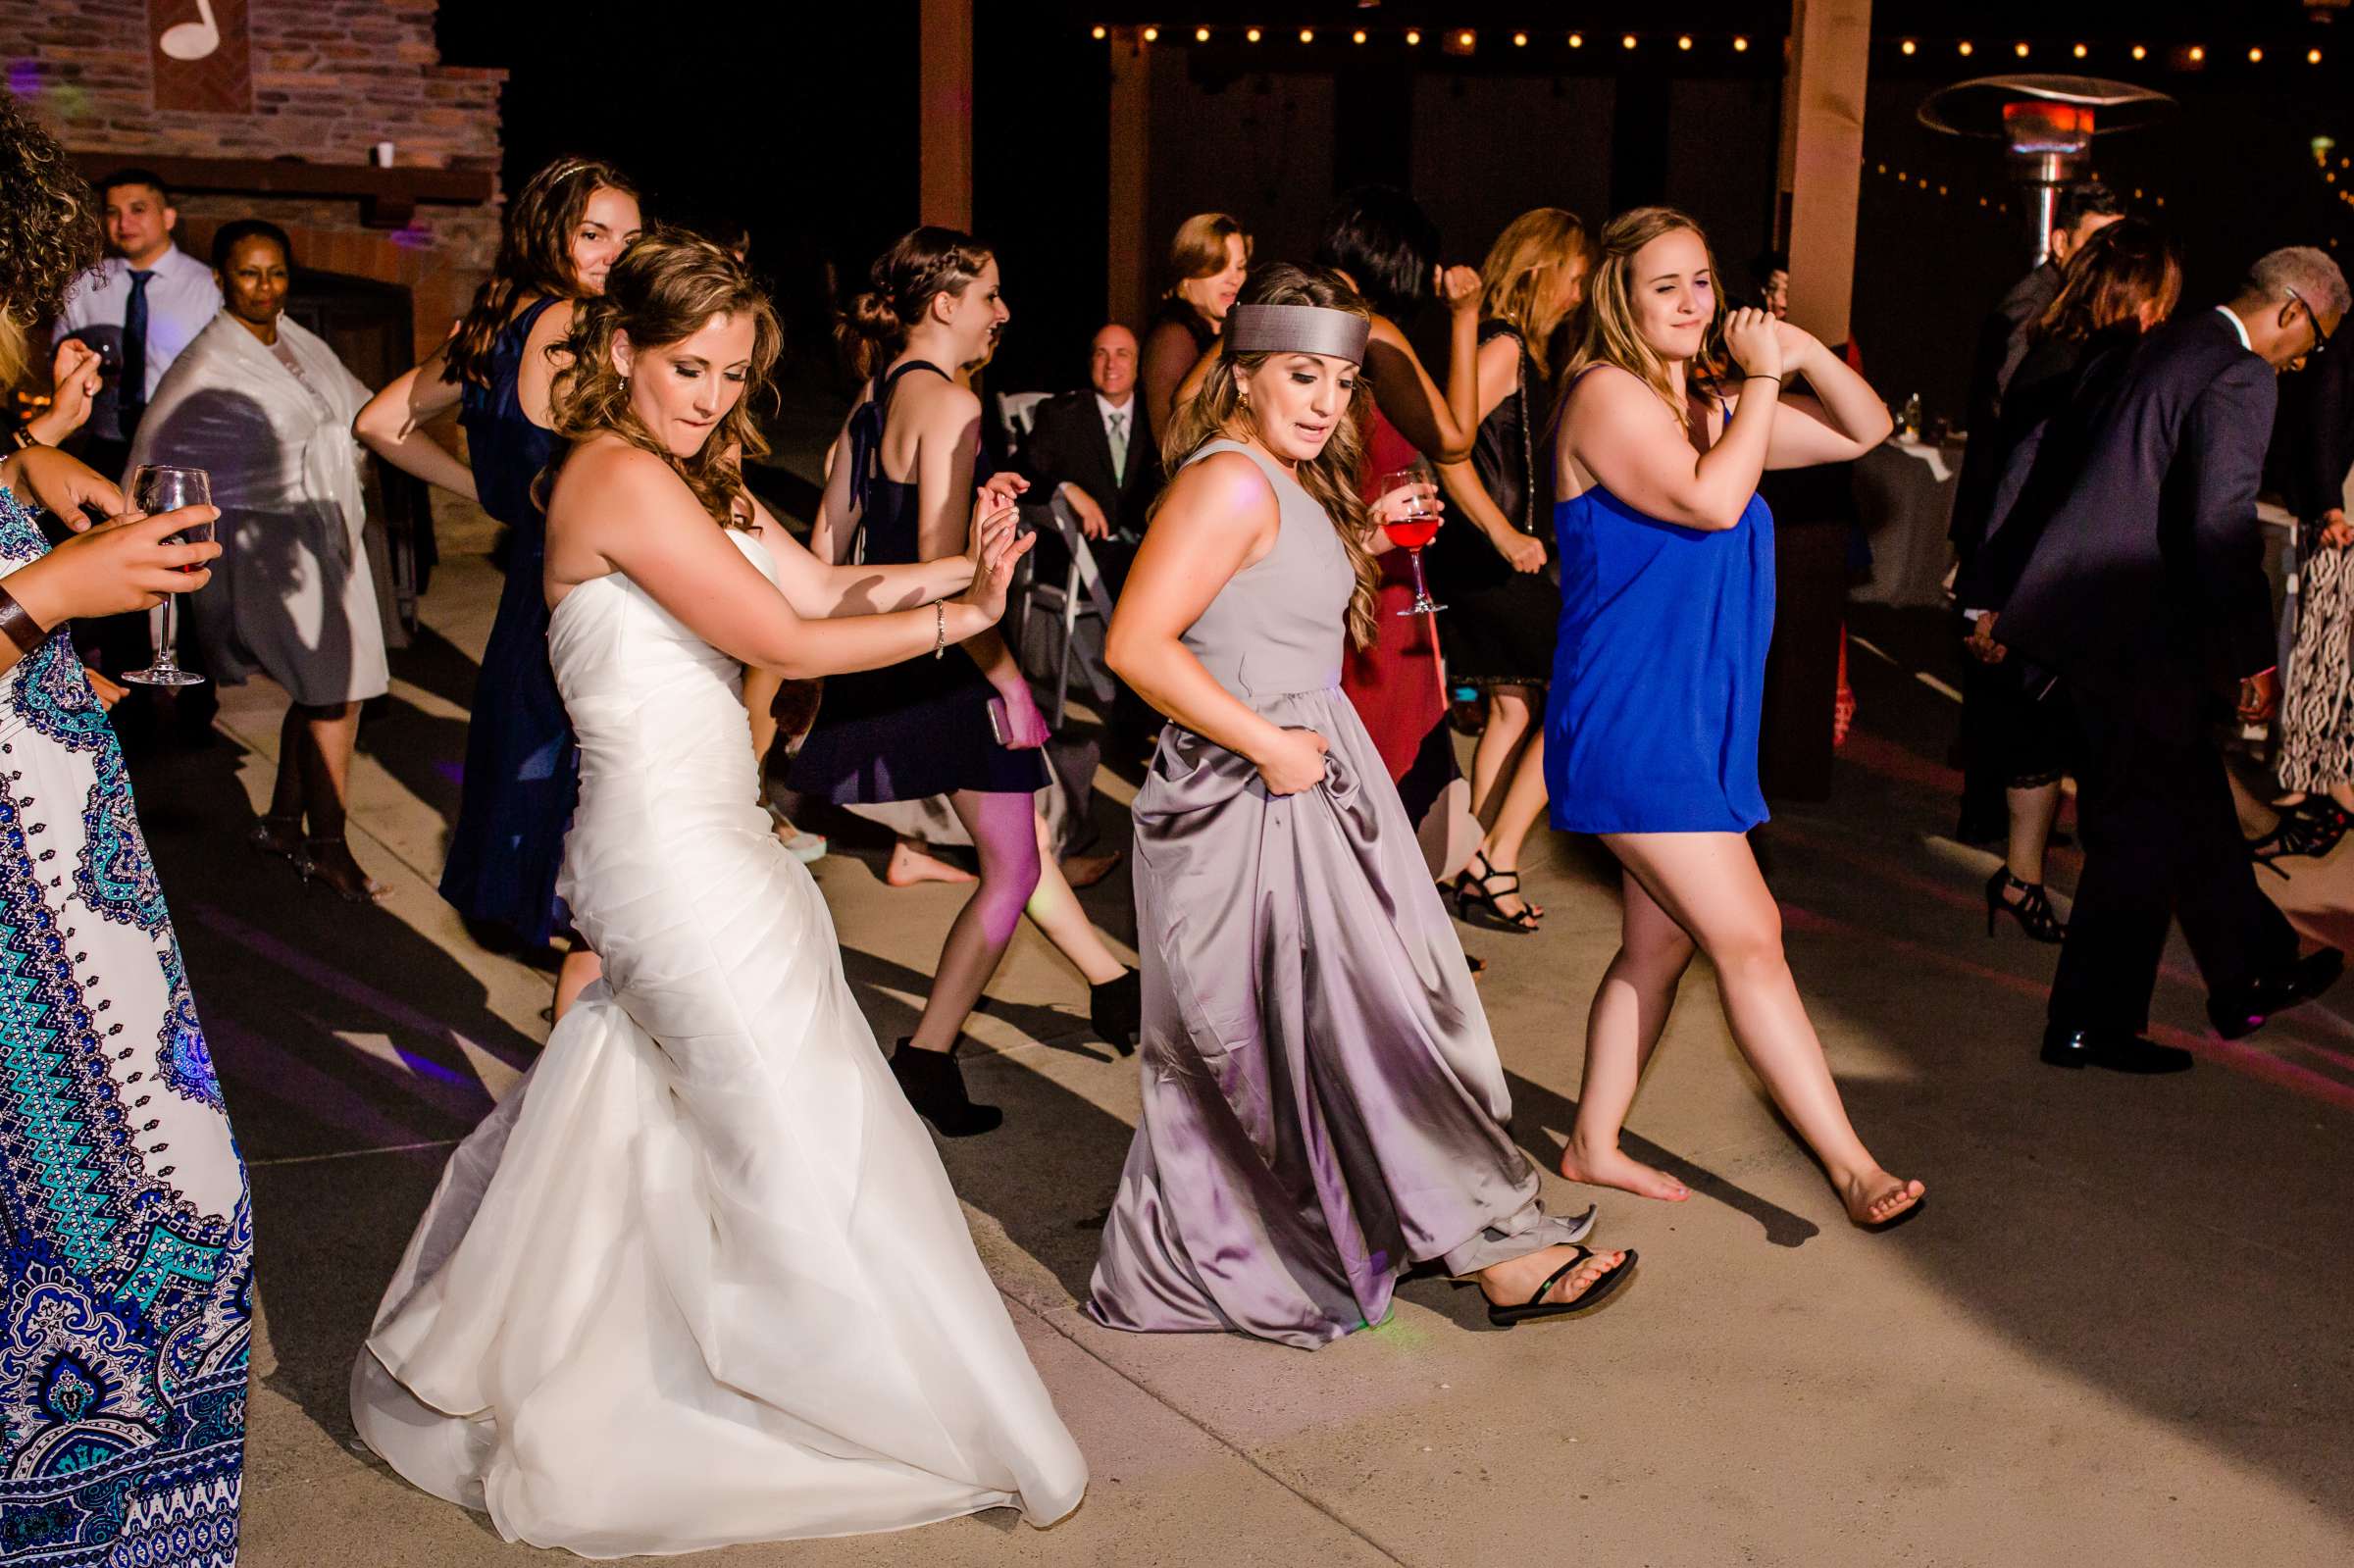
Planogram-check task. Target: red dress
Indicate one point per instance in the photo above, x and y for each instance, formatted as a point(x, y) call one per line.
point(1398, 685)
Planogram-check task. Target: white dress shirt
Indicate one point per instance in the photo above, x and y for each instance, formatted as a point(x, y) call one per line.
point(182, 300)
point(2238, 326)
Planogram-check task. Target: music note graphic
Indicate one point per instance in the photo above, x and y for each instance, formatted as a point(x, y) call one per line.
point(192, 40)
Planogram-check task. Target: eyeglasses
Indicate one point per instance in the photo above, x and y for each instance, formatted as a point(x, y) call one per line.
point(2321, 333)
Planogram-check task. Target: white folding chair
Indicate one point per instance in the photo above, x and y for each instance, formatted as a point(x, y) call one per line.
point(1017, 412)
point(1080, 595)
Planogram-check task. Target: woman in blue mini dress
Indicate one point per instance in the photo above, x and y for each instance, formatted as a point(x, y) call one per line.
point(1650, 732)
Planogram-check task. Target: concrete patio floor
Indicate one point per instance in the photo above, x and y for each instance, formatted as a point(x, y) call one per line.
point(2118, 1334)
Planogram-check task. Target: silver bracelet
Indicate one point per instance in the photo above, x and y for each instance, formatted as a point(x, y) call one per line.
point(940, 627)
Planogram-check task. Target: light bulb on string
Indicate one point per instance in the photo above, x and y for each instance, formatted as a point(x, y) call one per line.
point(2313, 57)
point(1966, 47)
point(2255, 57)
point(1684, 43)
point(2080, 51)
point(1152, 35)
point(1578, 40)
point(2198, 52)
point(1307, 35)
point(2141, 51)
point(1740, 47)
point(1412, 36)
point(1101, 33)
point(1359, 37)
point(1519, 40)
point(1201, 35)
point(1908, 46)
point(1465, 40)
point(1627, 42)
point(2020, 49)
point(1252, 36)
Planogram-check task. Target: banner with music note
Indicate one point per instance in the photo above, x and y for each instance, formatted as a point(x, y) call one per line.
point(201, 52)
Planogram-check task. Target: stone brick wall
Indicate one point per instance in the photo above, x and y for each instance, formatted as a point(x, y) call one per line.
point(329, 80)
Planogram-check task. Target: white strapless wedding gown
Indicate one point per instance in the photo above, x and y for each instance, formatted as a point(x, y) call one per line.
point(700, 1279)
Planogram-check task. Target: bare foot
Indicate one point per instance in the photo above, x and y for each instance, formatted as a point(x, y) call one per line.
point(1876, 1197)
point(1513, 1282)
point(1610, 1167)
point(911, 865)
point(1085, 871)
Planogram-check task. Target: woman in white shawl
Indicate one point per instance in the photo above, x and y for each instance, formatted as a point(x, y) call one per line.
point(266, 407)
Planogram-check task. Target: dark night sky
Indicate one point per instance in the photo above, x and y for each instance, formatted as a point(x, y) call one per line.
point(803, 125)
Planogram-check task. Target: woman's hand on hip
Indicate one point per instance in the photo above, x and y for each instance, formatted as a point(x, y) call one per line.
point(1294, 761)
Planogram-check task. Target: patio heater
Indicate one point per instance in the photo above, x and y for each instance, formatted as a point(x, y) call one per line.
point(2046, 124)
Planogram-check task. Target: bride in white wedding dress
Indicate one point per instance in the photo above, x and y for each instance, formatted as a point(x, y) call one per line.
point(700, 1279)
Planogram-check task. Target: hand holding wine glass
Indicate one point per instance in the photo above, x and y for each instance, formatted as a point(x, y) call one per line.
point(156, 488)
point(1409, 511)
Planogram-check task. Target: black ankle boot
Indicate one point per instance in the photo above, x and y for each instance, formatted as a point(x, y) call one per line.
point(1117, 1010)
point(934, 1086)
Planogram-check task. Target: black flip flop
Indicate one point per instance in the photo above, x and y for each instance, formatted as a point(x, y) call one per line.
point(1536, 1306)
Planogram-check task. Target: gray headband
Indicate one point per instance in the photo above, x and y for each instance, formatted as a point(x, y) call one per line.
point(1296, 330)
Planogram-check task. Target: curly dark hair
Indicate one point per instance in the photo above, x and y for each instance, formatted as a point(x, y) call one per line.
point(49, 233)
point(535, 258)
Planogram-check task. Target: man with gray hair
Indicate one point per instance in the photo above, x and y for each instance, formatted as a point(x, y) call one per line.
point(2146, 598)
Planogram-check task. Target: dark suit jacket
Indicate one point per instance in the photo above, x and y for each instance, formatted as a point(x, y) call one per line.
point(1069, 444)
point(2000, 346)
point(2148, 585)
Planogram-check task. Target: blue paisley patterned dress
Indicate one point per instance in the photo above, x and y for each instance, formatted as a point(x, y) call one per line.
point(128, 1313)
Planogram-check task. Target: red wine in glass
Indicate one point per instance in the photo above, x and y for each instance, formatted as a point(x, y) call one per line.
point(159, 487)
point(1414, 525)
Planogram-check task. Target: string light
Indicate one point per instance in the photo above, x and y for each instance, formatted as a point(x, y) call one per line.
point(2255, 57)
point(1465, 40)
point(1251, 35)
point(1965, 47)
point(1627, 42)
point(1684, 43)
point(2082, 51)
point(1740, 47)
point(1152, 35)
point(1359, 37)
point(1307, 35)
point(1201, 35)
point(1102, 34)
point(1908, 46)
point(1412, 36)
point(2141, 51)
point(1578, 40)
point(1519, 40)
point(2020, 49)
point(2313, 57)
point(2198, 52)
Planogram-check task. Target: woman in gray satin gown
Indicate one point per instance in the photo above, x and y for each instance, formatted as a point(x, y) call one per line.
point(1323, 1107)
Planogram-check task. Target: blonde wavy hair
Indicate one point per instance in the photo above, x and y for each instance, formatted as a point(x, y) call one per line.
point(662, 291)
point(1613, 333)
point(1514, 279)
point(1218, 413)
point(49, 231)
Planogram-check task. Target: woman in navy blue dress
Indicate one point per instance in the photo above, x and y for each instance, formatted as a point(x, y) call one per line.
point(1650, 732)
point(562, 234)
point(959, 722)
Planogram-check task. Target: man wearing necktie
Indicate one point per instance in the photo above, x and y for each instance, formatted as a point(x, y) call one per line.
point(1097, 449)
point(1094, 448)
point(139, 308)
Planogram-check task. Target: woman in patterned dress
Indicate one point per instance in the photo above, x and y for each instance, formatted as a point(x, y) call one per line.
point(128, 1312)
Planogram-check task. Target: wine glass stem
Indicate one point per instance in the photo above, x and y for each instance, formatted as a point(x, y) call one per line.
point(167, 639)
point(1414, 559)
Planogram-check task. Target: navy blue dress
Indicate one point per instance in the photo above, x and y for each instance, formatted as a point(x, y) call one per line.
point(916, 729)
point(1658, 675)
point(522, 763)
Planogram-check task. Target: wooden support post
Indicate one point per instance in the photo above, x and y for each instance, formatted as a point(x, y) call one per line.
point(945, 149)
point(1822, 157)
point(1131, 256)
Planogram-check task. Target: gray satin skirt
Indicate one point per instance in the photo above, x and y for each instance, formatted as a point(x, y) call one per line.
point(1323, 1106)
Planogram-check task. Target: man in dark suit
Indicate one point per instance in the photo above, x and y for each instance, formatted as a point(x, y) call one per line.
point(1094, 448)
point(2146, 594)
point(2084, 209)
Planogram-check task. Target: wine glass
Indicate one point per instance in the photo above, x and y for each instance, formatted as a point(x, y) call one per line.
point(1417, 527)
point(159, 487)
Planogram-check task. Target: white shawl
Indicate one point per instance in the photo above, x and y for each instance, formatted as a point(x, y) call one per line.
point(292, 594)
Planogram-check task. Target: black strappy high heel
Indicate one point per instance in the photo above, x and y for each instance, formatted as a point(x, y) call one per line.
point(2311, 827)
point(1481, 893)
point(2033, 911)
